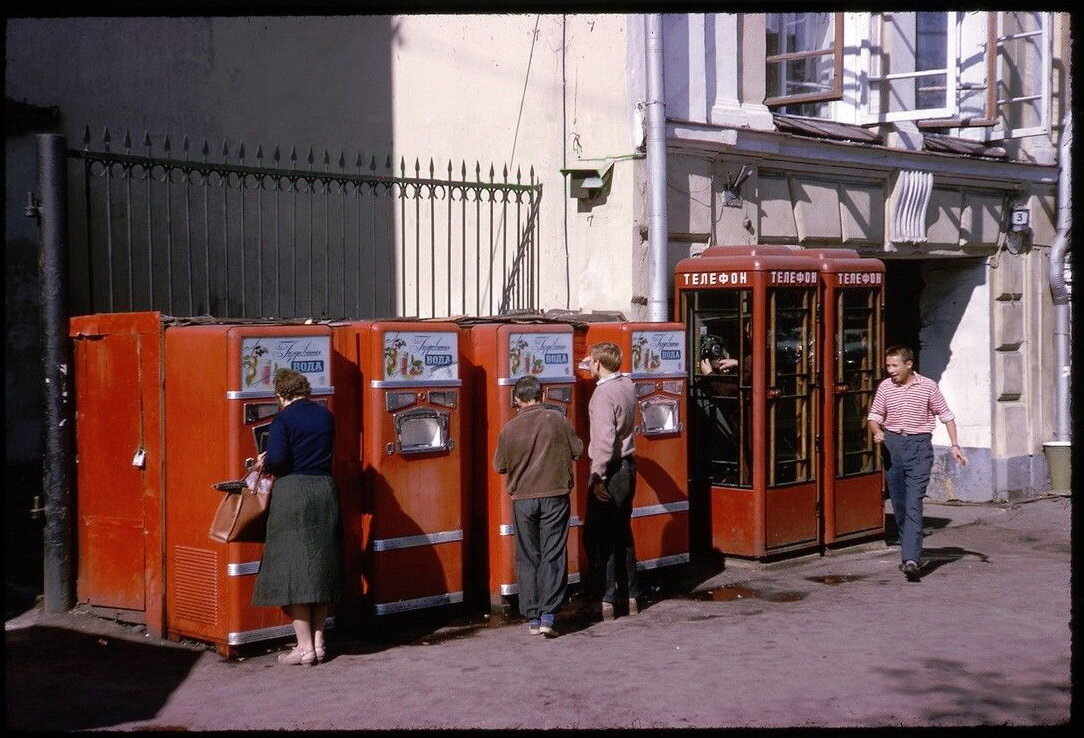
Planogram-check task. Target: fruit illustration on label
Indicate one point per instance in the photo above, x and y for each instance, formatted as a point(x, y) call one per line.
point(638, 352)
point(391, 356)
point(417, 368)
point(515, 355)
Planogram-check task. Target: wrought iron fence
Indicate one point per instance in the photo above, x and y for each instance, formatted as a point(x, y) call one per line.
point(251, 235)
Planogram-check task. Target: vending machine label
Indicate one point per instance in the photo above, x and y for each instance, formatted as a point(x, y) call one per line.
point(658, 352)
point(421, 356)
point(545, 355)
point(262, 356)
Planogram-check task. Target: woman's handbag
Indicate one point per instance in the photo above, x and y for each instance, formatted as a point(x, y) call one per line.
point(242, 514)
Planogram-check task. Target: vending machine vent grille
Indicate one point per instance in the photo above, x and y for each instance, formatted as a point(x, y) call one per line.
point(195, 584)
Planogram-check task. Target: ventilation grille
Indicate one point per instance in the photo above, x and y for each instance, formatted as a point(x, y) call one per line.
point(195, 585)
point(910, 199)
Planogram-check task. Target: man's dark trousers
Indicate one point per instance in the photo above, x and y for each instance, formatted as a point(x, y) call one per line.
point(541, 554)
point(910, 458)
point(607, 533)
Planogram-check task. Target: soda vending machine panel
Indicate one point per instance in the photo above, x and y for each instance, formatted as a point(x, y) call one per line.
point(410, 525)
point(498, 352)
point(654, 356)
point(219, 404)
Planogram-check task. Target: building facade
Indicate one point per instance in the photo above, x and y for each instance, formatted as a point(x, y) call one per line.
point(911, 137)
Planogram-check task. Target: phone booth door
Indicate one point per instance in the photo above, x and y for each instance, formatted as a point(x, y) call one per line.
point(751, 322)
point(852, 346)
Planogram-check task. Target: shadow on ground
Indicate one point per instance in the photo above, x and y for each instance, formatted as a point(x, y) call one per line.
point(59, 679)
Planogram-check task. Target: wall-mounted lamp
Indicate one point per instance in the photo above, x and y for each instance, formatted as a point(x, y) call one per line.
point(587, 184)
point(732, 187)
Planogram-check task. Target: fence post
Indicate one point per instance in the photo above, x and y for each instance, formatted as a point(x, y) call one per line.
point(58, 573)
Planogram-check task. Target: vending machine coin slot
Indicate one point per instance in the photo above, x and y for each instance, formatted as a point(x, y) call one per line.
point(444, 398)
point(399, 400)
point(560, 393)
point(422, 431)
point(259, 435)
point(257, 411)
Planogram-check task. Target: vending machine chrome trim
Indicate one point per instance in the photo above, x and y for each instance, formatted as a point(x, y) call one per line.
point(667, 507)
point(410, 383)
point(387, 608)
point(511, 589)
point(663, 561)
point(390, 544)
point(509, 381)
point(264, 634)
point(240, 570)
point(649, 376)
point(270, 394)
point(423, 413)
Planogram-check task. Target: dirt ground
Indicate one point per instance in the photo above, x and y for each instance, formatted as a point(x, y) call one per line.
point(834, 640)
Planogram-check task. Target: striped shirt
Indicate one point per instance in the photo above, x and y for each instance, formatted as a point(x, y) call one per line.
point(909, 408)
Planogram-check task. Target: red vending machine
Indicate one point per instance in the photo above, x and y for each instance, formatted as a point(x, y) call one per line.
point(497, 353)
point(751, 319)
point(410, 524)
point(219, 403)
point(851, 325)
point(653, 355)
point(166, 408)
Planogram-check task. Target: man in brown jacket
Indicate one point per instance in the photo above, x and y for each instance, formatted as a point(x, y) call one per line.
point(535, 449)
point(611, 553)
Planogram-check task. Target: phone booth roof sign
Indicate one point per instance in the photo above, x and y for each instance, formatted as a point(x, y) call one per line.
point(733, 266)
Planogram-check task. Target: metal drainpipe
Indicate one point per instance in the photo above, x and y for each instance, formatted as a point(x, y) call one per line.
point(657, 226)
point(58, 562)
point(1059, 289)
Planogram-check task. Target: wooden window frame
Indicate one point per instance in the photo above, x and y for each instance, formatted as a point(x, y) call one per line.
point(836, 51)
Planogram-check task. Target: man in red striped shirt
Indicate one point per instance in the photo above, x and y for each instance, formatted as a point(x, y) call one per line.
point(902, 417)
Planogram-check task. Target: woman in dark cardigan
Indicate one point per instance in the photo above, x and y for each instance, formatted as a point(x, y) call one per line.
point(301, 570)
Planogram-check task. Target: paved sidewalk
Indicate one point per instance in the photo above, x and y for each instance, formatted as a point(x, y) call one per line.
point(834, 640)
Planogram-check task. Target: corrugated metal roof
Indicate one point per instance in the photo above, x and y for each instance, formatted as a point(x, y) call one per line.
point(825, 129)
point(950, 145)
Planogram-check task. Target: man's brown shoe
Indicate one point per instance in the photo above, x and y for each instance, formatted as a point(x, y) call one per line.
point(634, 606)
point(607, 610)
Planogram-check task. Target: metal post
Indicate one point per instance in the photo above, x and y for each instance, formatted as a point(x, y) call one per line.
point(56, 360)
point(657, 222)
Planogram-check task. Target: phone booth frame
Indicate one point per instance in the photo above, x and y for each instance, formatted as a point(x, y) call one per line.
point(853, 503)
point(757, 512)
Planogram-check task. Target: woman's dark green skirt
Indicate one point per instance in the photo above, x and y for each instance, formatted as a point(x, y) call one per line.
point(302, 555)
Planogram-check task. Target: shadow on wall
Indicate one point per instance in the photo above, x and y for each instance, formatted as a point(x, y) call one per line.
point(947, 292)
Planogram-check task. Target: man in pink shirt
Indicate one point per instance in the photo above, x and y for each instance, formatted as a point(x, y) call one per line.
point(902, 417)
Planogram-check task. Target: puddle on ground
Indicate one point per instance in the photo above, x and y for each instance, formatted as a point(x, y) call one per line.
point(834, 579)
point(731, 592)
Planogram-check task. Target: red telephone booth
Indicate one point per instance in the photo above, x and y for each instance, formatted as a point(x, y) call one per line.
point(410, 524)
point(654, 356)
point(497, 353)
point(851, 346)
point(165, 409)
point(750, 314)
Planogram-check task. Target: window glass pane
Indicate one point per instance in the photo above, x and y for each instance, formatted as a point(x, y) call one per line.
point(789, 33)
point(1021, 68)
point(720, 324)
point(912, 45)
point(857, 367)
point(790, 344)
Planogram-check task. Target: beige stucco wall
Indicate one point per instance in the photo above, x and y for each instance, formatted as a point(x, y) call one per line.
point(471, 87)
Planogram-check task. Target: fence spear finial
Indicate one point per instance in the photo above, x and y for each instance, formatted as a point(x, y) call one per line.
point(165, 145)
point(225, 149)
point(259, 153)
point(147, 140)
point(127, 141)
point(184, 146)
point(241, 152)
point(106, 139)
point(86, 138)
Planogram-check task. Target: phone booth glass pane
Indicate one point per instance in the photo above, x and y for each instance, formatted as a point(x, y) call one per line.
point(790, 383)
point(720, 324)
point(857, 367)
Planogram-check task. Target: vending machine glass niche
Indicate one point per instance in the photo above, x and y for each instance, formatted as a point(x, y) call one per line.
point(422, 430)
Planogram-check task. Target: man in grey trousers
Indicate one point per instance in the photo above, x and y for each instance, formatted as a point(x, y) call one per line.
point(535, 449)
point(607, 531)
